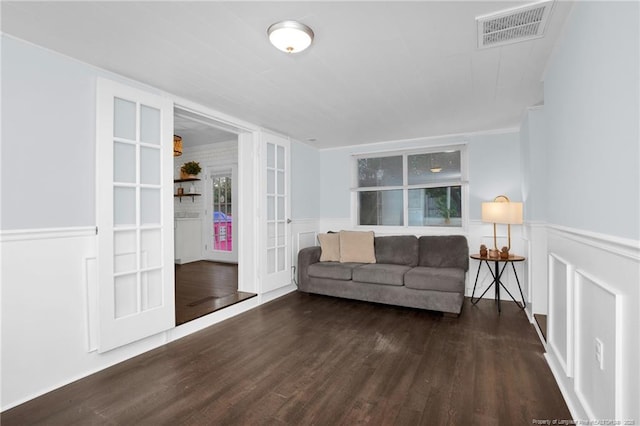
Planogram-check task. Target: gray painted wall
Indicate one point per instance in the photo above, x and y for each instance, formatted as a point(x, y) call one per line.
point(494, 169)
point(305, 181)
point(48, 139)
point(591, 111)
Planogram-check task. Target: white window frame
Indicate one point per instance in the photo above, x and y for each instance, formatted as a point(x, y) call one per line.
point(406, 229)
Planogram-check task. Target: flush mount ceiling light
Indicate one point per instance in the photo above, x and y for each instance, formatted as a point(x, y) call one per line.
point(290, 36)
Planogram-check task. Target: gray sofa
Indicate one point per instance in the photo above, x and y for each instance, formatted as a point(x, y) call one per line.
point(426, 272)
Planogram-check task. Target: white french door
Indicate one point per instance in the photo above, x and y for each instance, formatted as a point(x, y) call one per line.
point(220, 217)
point(134, 214)
point(277, 247)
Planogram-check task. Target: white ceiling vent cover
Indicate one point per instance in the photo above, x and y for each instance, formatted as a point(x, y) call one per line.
point(513, 25)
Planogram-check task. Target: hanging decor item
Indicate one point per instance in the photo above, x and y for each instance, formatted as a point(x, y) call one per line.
point(177, 146)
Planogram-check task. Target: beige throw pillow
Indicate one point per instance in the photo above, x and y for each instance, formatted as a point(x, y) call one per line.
point(330, 246)
point(357, 246)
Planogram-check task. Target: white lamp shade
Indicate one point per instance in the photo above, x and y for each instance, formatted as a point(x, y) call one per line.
point(290, 36)
point(502, 212)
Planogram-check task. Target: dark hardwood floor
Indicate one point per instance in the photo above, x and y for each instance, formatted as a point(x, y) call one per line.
point(308, 359)
point(542, 324)
point(203, 287)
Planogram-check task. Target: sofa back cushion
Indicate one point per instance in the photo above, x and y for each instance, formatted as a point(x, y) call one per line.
point(357, 246)
point(397, 250)
point(444, 251)
point(330, 245)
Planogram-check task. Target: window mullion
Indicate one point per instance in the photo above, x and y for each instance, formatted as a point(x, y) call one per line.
point(405, 191)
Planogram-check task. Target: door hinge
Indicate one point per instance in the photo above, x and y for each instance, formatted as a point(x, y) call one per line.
point(96, 230)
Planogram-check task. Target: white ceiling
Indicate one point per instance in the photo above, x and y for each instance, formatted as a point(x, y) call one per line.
point(376, 71)
point(195, 130)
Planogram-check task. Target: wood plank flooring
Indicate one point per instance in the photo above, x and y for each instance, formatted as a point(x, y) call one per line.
point(308, 359)
point(203, 287)
point(542, 324)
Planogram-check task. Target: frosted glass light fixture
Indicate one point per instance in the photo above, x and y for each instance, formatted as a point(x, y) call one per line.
point(290, 36)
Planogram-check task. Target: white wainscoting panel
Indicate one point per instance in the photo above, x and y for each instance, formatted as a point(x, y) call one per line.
point(303, 234)
point(594, 293)
point(560, 320)
point(48, 305)
point(535, 234)
point(91, 302)
point(597, 387)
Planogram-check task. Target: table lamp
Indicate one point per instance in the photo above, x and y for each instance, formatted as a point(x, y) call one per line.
point(502, 210)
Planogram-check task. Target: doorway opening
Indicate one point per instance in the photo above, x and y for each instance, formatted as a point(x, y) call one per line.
point(206, 223)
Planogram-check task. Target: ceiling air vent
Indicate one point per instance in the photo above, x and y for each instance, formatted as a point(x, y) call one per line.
point(513, 25)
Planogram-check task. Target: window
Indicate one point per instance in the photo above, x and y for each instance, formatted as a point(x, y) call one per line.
point(411, 189)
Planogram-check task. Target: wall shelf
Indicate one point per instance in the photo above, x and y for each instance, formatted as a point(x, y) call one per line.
point(186, 194)
point(185, 180)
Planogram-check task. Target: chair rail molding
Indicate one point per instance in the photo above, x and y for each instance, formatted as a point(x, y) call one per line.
point(615, 245)
point(46, 233)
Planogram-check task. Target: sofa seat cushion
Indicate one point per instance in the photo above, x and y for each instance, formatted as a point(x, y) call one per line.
point(332, 270)
point(379, 273)
point(440, 279)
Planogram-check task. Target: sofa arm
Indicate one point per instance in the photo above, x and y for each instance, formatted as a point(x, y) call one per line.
point(307, 256)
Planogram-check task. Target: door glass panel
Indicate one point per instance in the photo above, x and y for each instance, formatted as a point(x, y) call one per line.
point(271, 156)
point(151, 289)
point(271, 182)
point(280, 164)
point(280, 183)
point(271, 261)
point(149, 166)
point(124, 206)
point(124, 119)
point(126, 295)
point(149, 125)
point(281, 259)
point(150, 206)
point(150, 248)
point(281, 229)
point(222, 212)
point(271, 234)
point(124, 162)
point(124, 251)
point(271, 208)
point(280, 208)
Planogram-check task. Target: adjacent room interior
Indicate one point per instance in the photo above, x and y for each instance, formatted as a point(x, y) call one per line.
point(206, 243)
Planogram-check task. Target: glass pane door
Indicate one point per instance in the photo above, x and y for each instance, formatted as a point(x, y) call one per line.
point(222, 206)
point(277, 247)
point(135, 238)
